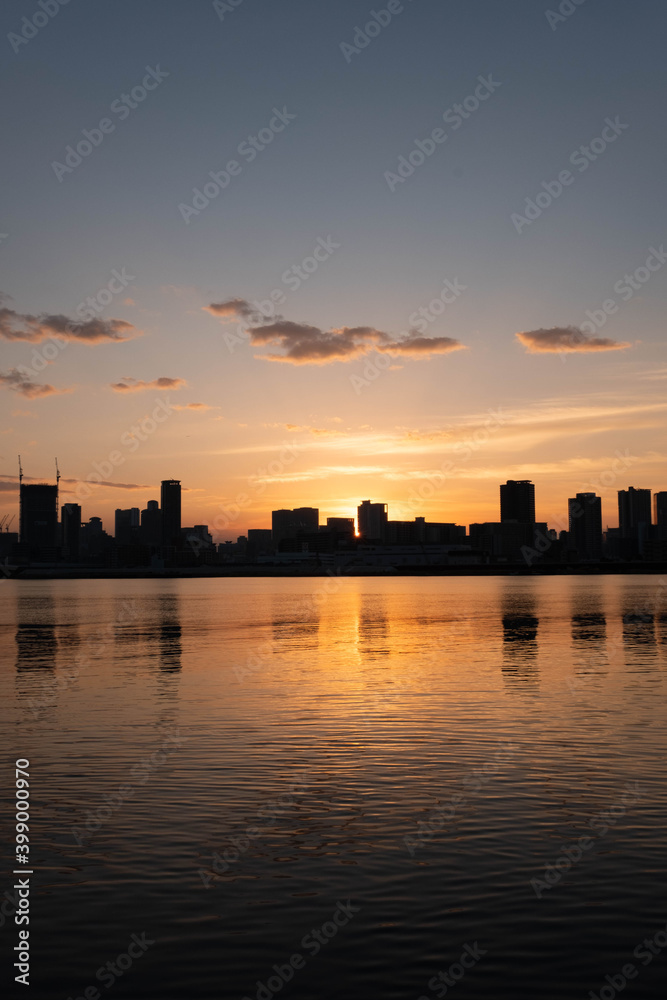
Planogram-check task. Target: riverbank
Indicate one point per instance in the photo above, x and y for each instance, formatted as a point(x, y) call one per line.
point(516, 569)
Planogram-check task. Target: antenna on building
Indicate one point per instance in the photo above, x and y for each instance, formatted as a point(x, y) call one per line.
point(20, 472)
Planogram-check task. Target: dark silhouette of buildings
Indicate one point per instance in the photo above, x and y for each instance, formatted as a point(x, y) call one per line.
point(95, 542)
point(170, 501)
point(258, 543)
point(423, 532)
point(151, 525)
point(371, 521)
point(39, 520)
point(155, 536)
point(634, 521)
point(289, 523)
point(660, 514)
point(517, 501)
point(585, 526)
point(510, 541)
point(126, 528)
point(343, 526)
point(70, 531)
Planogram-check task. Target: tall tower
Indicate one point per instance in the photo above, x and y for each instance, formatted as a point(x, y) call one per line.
point(372, 521)
point(170, 501)
point(634, 518)
point(660, 513)
point(585, 525)
point(517, 501)
point(70, 531)
point(39, 519)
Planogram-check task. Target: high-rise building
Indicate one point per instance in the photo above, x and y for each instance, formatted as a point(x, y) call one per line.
point(258, 542)
point(517, 501)
point(289, 523)
point(151, 524)
point(70, 531)
point(634, 520)
point(660, 514)
point(342, 526)
point(170, 501)
point(126, 527)
point(372, 521)
point(585, 525)
point(39, 518)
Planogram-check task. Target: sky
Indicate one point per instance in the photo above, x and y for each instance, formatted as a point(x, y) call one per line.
point(306, 254)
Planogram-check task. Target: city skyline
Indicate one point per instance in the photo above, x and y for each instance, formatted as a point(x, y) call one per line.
point(374, 299)
point(515, 501)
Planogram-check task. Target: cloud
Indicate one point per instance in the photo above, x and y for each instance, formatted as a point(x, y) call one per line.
point(115, 486)
point(231, 309)
point(19, 382)
point(130, 384)
point(302, 344)
point(566, 338)
point(309, 345)
point(325, 431)
point(11, 483)
point(194, 406)
point(414, 346)
point(32, 329)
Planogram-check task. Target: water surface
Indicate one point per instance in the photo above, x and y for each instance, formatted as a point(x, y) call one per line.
point(219, 764)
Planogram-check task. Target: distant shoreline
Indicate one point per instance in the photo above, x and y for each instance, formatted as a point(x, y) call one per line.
point(219, 572)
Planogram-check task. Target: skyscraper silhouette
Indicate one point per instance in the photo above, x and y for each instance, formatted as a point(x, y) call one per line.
point(38, 517)
point(70, 531)
point(585, 525)
point(634, 519)
point(170, 500)
point(151, 524)
point(372, 521)
point(660, 513)
point(289, 523)
point(517, 501)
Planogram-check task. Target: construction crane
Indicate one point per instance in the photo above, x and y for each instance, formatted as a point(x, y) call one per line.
point(57, 490)
point(3, 521)
point(9, 523)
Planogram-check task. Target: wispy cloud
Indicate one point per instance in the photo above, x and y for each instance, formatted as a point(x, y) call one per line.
point(9, 483)
point(302, 344)
point(200, 407)
point(21, 383)
point(129, 384)
point(32, 329)
point(571, 339)
point(654, 375)
point(115, 486)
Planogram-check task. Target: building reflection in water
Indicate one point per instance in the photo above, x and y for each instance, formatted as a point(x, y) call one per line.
point(36, 641)
point(589, 638)
point(295, 622)
point(520, 624)
point(373, 626)
point(170, 633)
point(36, 651)
point(661, 631)
point(639, 625)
